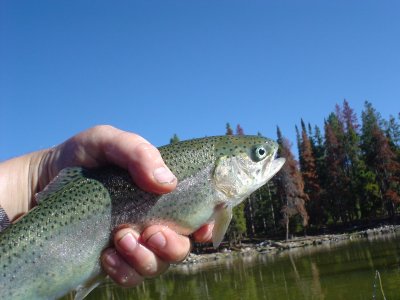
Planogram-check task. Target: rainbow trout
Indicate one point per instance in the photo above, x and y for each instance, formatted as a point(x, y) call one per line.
point(56, 247)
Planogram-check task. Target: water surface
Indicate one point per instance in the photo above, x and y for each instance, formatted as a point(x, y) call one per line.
point(345, 270)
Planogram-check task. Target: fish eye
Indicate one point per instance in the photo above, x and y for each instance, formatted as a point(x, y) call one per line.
point(259, 153)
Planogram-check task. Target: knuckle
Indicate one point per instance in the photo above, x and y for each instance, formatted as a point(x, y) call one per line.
point(102, 128)
point(146, 151)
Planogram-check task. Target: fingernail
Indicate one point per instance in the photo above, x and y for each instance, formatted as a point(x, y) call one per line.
point(164, 175)
point(128, 243)
point(112, 259)
point(157, 241)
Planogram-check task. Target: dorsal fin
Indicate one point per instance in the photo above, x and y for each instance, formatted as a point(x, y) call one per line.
point(65, 177)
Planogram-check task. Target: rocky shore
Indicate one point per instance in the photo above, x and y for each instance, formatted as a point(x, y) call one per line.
point(274, 247)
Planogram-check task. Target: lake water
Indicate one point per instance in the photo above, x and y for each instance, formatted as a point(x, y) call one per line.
point(347, 270)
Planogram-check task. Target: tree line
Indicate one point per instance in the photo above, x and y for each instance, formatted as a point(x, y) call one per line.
point(346, 173)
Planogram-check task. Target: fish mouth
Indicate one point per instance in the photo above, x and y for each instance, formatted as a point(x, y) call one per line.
point(272, 166)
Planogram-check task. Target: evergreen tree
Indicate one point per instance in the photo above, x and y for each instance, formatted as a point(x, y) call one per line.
point(229, 130)
point(264, 205)
point(349, 117)
point(370, 120)
point(311, 181)
point(393, 134)
point(352, 165)
point(336, 186)
point(380, 159)
point(239, 130)
point(174, 139)
point(368, 191)
point(310, 132)
point(298, 142)
point(237, 227)
point(388, 171)
point(318, 148)
point(290, 185)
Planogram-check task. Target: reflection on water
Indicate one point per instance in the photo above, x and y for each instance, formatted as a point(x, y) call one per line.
point(345, 270)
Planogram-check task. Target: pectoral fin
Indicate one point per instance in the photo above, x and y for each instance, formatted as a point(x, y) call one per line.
point(83, 290)
point(222, 217)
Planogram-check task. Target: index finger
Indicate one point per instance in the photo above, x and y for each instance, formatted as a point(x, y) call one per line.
point(142, 160)
point(106, 144)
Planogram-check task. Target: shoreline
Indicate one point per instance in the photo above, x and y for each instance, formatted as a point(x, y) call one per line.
point(273, 247)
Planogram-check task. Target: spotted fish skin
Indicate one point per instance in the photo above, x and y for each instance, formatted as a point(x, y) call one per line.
point(56, 247)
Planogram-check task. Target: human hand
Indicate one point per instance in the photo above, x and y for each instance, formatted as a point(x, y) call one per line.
point(135, 255)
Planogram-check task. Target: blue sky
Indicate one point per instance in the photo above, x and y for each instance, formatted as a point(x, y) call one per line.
point(188, 67)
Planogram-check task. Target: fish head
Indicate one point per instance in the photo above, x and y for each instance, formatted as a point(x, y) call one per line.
point(244, 164)
point(227, 170)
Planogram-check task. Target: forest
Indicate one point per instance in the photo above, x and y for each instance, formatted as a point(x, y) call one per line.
point(345, 175)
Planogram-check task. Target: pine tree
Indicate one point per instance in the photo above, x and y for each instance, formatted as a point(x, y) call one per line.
point(368, 191)
point(264, 205)
point(239, 130)
point(310, 132)
point(290, 185)
point(237, 227)
point(370, 120)
point(352, 165)
point(393, 134)
point(298, 142)
point(336, 188)
point(311, 181)
point(380, 159)
point(388, 171)
point(229, 130)
point(174, 139)
point(349, 117)
point(318, 148)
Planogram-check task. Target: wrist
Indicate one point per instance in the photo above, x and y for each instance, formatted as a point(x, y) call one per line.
point(20, 179)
